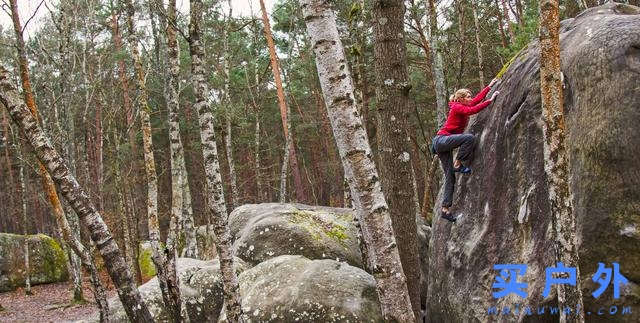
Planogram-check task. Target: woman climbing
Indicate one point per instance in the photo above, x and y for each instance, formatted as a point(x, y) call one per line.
point(451, 136)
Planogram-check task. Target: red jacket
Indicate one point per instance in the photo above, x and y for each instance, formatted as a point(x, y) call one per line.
point(459, 113)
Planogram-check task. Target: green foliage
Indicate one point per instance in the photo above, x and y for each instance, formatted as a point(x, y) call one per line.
point(525, 33)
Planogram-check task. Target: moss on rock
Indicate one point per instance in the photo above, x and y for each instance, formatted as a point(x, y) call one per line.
point(48, 263)
point(147, 268)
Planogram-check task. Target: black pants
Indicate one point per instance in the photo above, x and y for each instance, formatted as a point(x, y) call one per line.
point(444, 146)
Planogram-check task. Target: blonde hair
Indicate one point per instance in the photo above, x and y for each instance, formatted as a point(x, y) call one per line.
point(459, 95)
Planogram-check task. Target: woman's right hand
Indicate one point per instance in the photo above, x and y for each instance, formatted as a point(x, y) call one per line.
point(494, 95)
point(493, 82)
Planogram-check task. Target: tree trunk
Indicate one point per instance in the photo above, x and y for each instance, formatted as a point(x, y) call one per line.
point(555, 157)
point(437, 66)
point(23, 188)
point(260, 196)
point(228, 114)
point(215, 193)
point(505, 14)
point(114, 262)
point(478, 44)
point(177, 163)
point(503, 36)
point(461, 40)
point(301, 195)
point(191, 245)
point(124, 223)
point(358, 164)
point(392, 96)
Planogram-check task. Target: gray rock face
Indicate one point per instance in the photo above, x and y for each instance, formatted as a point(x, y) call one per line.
point(264, 231)
point(296, 289)
point(46, 258)
point(506, 217)
point(200, 288)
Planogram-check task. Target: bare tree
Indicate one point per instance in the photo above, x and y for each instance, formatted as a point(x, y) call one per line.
point(26, 120)
point(290, 152)
point(359, 168)
point(215, 193)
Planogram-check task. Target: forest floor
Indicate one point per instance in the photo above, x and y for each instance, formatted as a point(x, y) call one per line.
point(50, 303)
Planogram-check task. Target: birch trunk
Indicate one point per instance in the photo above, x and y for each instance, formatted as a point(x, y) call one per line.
point(191, 245)
point(357, 161)
point(556, 162)
point(392, 96)
point(8, 164)
point(437, 67)
point(215, 193)
point(23, 188)
point(177, 162)
point(301, 195)
point(228, 114)
point(478, 44)
point(136, 309)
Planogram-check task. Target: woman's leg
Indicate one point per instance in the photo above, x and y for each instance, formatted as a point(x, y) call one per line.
point(466, 144)
point(446, 160)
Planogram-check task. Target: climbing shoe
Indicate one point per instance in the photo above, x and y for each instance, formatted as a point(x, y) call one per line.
point(462, 169)
point(448, 216)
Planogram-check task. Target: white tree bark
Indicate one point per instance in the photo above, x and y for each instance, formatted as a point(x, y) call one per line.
point(191, 246)
point(168, 287)
point(114, 262)
point(227, 99)
point(23, 188)
point(216, 204)
point(355, 152)
point(177, 162)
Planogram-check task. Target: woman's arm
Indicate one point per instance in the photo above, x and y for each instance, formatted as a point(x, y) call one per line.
point(480, 96)
point(469, 110)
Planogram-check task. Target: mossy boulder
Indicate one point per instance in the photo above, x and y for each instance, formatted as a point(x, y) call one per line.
point(200, 288)
point(145, 261)
point(264, 231)
point(47, 261)
point(296, 289)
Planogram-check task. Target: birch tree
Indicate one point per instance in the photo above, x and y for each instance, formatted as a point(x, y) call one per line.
point(227, 100)
point(177, 164)
point(53, 163)
point(392, 96)
point(359, 168)
point(216, 204)
point(556, 162)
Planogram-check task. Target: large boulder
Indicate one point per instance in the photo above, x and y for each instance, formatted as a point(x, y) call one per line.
point(296, 289)
point(504, 203)
point(200, 288)
point(47, 261)
point(264, 231)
